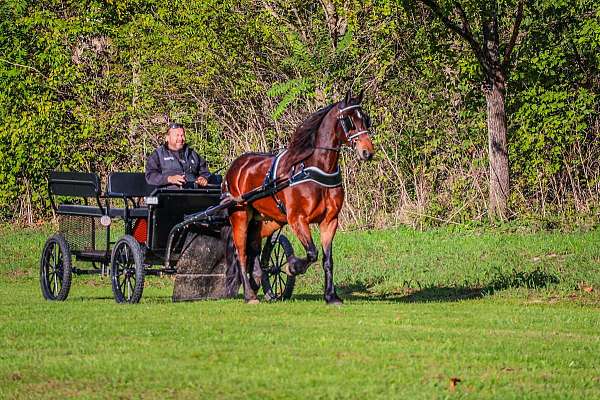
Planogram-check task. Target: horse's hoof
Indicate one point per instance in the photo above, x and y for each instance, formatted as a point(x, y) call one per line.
point(253, 301)
point(336, 301)
point(287, 271)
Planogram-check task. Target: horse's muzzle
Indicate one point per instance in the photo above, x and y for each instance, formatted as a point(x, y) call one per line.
point(365, 155)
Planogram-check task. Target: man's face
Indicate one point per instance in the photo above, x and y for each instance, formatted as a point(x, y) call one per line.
point(175, 139)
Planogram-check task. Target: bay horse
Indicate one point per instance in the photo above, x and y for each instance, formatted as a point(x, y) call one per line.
point(316, 142)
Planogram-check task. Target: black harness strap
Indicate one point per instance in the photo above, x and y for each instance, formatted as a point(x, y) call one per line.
point(318, 176)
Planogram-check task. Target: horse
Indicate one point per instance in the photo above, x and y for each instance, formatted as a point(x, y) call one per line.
point(315, 146)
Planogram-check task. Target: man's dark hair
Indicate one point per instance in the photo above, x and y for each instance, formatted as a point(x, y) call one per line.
point(174, 125)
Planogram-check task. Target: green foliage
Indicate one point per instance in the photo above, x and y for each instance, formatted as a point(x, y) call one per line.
point(88, 86)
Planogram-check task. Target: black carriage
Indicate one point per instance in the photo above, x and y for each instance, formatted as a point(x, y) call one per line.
point(132, 230)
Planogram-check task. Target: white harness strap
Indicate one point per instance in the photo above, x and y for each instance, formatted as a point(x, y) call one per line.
point(351, 137)
point(349, 108)
point(272, 176)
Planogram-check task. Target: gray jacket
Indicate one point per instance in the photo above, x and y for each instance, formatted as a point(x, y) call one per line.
point(163, 163)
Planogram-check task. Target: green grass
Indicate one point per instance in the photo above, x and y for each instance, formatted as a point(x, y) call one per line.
point(503, 312)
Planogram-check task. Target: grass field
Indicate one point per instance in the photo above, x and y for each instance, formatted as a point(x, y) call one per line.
point(438, 314)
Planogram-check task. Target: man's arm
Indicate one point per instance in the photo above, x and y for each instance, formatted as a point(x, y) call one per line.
point(154, 175)
point(201, 166)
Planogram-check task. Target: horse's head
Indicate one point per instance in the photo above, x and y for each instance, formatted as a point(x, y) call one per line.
point(353, 126)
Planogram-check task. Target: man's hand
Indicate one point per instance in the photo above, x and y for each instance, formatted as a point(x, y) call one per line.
point(178, 180)
point(201, 181)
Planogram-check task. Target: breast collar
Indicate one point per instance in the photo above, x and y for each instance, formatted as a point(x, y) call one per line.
point(305, 174)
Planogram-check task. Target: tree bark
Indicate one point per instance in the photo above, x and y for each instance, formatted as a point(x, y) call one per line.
point(498, 151)
point(495, 92)
point(335, 24)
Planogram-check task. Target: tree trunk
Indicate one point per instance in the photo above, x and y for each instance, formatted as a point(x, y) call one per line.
point(498, 151)
point(335, 23)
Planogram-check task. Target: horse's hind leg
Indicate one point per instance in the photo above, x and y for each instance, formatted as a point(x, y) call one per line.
point(253, 248)
point(328, 229)
point(298, 265)
point(239, 223)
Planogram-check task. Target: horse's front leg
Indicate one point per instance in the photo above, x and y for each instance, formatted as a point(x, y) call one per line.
point(327, 229)
point(298, 265)
point(240, 220)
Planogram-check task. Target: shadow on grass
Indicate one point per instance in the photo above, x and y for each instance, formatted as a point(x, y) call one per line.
point(360, 291)
point(145, 299)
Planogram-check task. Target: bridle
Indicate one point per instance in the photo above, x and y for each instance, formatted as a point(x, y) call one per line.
point(348, 126)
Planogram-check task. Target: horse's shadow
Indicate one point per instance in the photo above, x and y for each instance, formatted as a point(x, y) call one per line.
point(361, 292)
point(425, 295)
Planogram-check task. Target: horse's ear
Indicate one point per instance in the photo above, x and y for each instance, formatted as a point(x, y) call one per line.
point(348, 97)
point(361, 95)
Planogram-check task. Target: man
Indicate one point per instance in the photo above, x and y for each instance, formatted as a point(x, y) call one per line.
point(174, 164)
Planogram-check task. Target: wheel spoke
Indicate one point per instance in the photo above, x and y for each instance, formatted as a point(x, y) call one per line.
point(273, 264)
point(281, 284)
point(54, 257)
point(126, 288)
point(129, 289)
point(121, 283)
point(55, 282)
point(50, 263)
point(275, 285)
point(281, 257)
point(51, 279)
point(276, 249)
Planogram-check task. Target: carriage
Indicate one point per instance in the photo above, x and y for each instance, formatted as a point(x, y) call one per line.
point(262, 193)
point(133, 229)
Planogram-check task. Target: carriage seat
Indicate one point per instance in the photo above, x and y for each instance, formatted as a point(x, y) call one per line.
point(86, 185)
point(95, 211)
point(75, 184)
point(128, 185)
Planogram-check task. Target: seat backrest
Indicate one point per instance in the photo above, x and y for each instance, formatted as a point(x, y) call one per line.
point(81, 184)
point(128, 184)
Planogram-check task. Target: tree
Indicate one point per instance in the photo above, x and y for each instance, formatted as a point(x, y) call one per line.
point(494, 59)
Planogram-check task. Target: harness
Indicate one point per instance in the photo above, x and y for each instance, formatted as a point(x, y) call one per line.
point(305, 174)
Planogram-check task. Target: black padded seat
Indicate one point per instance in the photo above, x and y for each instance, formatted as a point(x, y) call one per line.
point(137, 212)
point(128, 184)
point(79, 184)
point(94, 211)
point(76, 209)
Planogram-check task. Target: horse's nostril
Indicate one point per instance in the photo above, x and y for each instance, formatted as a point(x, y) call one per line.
point(367, 155)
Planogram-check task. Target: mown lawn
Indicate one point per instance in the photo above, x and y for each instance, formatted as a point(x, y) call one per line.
point(511, 315)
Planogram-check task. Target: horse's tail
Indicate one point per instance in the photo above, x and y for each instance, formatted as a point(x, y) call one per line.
point(233, 279)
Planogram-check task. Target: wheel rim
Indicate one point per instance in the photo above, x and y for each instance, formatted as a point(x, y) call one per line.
point(124, 275)
point(53, 269)
point(276, 277)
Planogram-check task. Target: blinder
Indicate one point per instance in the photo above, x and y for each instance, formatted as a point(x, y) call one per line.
point(348, 124)
point(366, 119)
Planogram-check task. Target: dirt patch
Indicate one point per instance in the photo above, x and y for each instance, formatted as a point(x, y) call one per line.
point(17, 274)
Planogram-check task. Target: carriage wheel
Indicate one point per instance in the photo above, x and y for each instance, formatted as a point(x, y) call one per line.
point(276, 284)
point(127, 270)
point(56, 269)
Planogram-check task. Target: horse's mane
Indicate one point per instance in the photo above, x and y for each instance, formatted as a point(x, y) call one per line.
point(302, 143)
